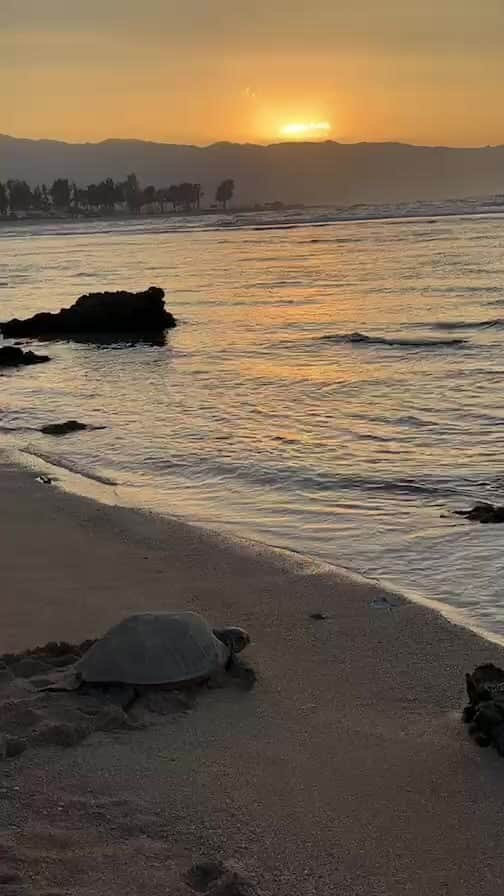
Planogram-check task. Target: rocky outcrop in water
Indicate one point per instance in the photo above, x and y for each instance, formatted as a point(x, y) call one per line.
point(483, 513)
point(99, 312)
point(485, 710)
point(63, 429)
point(11, 356)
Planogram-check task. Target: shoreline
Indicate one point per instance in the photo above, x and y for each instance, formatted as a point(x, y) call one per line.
point(346, 770)
point(105, 492)
point(438, 212)
point(79, 493)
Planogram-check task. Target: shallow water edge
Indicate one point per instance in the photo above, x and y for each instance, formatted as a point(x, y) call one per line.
point(134, 499)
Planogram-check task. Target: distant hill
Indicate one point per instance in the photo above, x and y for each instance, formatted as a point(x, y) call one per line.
point(311, 173)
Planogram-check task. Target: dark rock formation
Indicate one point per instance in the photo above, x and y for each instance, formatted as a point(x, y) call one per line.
point(483, 513)
point(63, 429)
point(11, 356)
point(99, 312)
point(485, 710)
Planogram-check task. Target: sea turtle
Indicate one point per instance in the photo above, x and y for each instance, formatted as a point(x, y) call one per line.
point(158, 648)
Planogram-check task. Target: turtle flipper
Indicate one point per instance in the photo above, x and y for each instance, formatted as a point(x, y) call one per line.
point(69, 680)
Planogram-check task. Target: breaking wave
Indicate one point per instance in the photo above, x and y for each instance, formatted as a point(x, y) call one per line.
point(393, 341)
point(469, 324)
point(69, 465)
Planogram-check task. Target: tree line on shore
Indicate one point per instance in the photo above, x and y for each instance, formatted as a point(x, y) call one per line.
point(105, 196)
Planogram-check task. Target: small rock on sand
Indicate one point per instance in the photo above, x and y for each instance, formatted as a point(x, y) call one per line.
point(485, 711)
point(202, 874)
point(217, 879)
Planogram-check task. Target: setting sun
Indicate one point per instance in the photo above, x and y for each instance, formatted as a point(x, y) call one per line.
point(300, 130)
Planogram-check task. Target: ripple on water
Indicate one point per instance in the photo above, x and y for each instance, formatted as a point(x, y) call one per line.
point(307, 398)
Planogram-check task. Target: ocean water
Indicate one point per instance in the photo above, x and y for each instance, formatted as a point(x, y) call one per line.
point(333, 386)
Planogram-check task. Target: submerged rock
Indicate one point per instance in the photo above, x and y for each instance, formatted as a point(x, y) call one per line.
point(11, 356)
point(485, 711)
point(63, 429)
point(483, 513)
point(99, 312)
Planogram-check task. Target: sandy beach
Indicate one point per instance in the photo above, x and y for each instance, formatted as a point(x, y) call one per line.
point(346, 770)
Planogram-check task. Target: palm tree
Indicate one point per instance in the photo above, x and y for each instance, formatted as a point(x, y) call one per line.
point(197, 194)
point(60, 192)
point(4, 200)
point(173, 195)
point(20, 195)
point(225, 192)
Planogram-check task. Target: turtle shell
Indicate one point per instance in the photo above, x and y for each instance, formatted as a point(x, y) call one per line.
point(155, 648)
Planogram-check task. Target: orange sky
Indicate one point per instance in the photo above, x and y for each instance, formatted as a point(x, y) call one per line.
point(423, 71)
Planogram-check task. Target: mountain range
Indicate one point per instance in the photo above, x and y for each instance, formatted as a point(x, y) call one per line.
point(310, 173)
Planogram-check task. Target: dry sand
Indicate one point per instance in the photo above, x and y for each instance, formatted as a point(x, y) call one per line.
point(345, 771)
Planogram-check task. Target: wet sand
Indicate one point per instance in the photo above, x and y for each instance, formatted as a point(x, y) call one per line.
point(346, 770)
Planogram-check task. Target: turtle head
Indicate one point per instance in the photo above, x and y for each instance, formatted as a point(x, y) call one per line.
point(233, 637)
